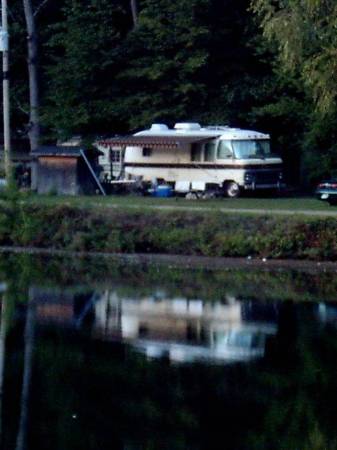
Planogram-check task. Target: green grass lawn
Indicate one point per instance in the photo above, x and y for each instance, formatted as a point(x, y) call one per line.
point(250, 203)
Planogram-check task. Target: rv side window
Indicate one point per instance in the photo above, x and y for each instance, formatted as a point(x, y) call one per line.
point(196, 152)
point(210, 151)
point(115, 156)
point(224, 150)
point(147, 151)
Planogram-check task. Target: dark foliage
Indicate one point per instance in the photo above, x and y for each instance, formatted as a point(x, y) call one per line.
point(180, 233)
point(199, 60)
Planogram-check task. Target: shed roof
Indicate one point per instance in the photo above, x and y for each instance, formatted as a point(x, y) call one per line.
point(61, 150)
point(56, 150)
point(155, 141)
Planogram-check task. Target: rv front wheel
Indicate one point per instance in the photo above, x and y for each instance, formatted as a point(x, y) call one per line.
point(232, 189)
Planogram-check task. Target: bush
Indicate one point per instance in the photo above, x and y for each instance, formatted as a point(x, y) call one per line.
point(182, 233)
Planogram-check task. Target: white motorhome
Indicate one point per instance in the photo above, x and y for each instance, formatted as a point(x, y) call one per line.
point(197, 159)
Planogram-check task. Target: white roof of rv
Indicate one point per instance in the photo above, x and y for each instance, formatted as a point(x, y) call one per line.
point(194, 129)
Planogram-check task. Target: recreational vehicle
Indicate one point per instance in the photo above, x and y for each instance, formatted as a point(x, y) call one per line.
point(194, 159)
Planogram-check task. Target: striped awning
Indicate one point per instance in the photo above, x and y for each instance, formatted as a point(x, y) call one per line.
point(154, 141)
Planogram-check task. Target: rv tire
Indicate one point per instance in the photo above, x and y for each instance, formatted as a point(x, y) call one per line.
point(232, 189)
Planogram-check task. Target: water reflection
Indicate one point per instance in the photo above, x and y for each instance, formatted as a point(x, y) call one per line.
point(116, 366)
point(180, 329)
point(3, 326)
point(327, 313)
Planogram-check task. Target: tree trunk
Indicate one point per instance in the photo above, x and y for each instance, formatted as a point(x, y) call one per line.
point(134, 11)
point(6, 100)
point(34, 123)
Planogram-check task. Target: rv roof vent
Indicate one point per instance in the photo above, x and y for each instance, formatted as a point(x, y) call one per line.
point(158, 127)
point(217, 127)
point(187, 126)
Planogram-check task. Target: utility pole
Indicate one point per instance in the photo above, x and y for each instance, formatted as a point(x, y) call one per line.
point(5, 87)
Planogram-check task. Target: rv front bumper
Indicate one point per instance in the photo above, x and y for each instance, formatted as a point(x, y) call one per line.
point(254, 186)
point(263, 179)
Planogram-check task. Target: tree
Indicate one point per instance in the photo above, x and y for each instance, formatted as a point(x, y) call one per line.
point(172, 66)
point(165, 59)
point(84, 57)
point(190, 60)
point(25, 23)
point(34, 122)
point(305, 35)
point(302, 34)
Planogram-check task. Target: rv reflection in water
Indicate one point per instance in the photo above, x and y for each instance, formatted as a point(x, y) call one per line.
point(327, 313)
point(183, 330)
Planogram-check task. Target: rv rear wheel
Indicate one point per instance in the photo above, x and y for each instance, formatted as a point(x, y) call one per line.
point(232, 189)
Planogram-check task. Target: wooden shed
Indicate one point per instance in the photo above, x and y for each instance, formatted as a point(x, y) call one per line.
point(65, 170)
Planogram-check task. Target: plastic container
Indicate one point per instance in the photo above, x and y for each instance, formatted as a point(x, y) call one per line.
point(163, 190)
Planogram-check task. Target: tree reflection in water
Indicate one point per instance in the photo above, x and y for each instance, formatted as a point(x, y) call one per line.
point(27, 375)
point(3, 330)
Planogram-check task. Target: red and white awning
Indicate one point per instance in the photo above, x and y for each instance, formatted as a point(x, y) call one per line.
point(158, 141)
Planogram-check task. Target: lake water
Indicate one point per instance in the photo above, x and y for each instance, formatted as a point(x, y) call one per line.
point(104, 355)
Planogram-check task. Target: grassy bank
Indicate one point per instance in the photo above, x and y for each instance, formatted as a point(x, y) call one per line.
point(172, 232)
point(290, 203)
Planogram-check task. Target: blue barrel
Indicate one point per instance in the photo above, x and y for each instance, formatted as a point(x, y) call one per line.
point(163, 190)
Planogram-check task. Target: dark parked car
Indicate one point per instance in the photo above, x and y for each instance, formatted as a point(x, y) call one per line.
point(327, 191)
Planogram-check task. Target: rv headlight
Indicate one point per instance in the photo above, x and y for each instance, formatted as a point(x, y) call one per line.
point(280, 176)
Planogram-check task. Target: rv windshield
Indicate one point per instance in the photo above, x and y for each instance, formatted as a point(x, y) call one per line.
point(252, 149)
